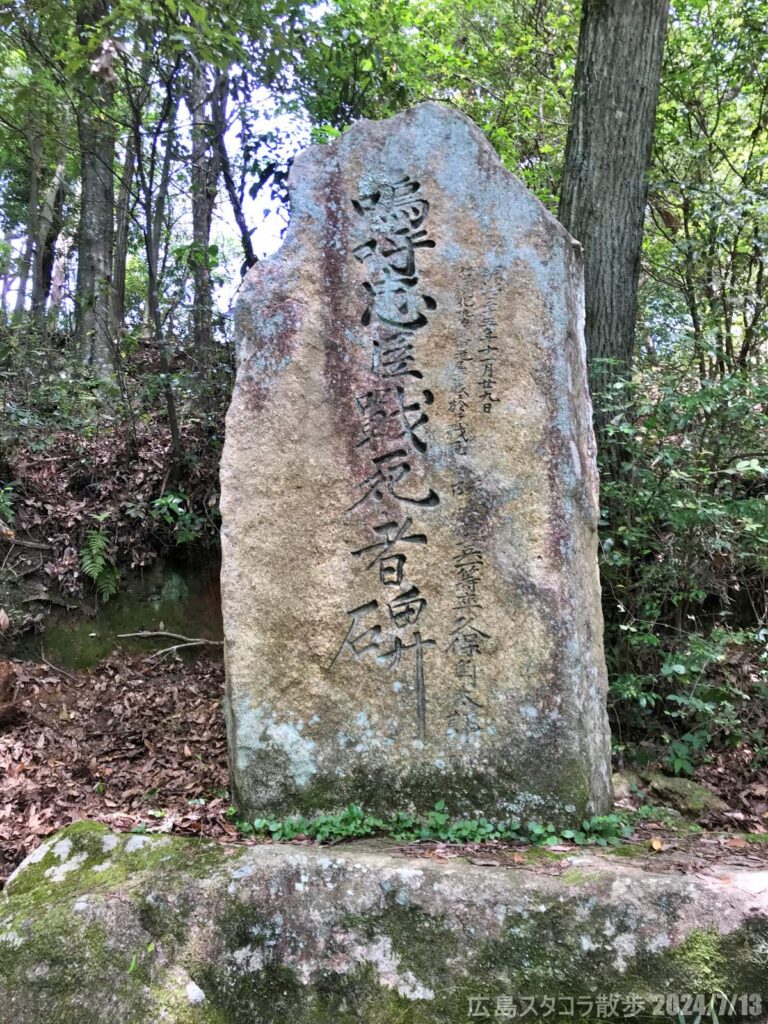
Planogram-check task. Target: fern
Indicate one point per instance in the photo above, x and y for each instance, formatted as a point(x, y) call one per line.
point(98, 566)
point(108, 582)
point(93, 557)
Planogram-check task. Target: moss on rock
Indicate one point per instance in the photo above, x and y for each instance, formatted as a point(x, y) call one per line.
point(685, 795)
point(99, 928)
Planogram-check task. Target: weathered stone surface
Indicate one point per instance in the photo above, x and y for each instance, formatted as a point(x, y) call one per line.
point(100, 928)
point(409, 493)
point(626, 785)
point(685, 795)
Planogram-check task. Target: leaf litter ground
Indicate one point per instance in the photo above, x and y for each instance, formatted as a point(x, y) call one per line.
point(141, 744)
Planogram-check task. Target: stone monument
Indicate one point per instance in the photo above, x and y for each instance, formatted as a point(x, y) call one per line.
point(409, 493)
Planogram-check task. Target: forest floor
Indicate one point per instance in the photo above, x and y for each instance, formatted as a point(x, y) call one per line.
point(139, 743)
point(133, 744)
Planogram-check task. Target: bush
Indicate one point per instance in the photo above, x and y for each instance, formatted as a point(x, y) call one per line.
point(684, 555)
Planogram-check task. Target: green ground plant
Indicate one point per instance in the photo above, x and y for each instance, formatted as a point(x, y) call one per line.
point(6, 503)
point(97, 562)
point(438, 825)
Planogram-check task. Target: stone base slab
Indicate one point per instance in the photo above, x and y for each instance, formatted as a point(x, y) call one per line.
point(100, 928)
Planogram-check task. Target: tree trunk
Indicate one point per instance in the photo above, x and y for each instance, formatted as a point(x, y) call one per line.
point(49, 228)
point(35, 142)
point(122, 219)
point(95, 233)
point(603, 198)
point(236, 202)
point(205, 165)
point(96, 134)
point(59, 276)
point(7, 273)
point(152, 201)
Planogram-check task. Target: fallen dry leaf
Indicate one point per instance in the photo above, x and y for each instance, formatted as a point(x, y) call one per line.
point(113, 745)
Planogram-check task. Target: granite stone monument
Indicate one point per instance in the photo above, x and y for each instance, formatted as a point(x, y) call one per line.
point(409, 493)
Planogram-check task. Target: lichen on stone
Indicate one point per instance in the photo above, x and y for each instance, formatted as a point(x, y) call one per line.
point(182, 931)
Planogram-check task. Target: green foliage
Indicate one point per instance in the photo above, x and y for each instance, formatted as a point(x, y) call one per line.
point(86, 452)
point(509, 65)
point(438, 825)
point(684, 555)
point(45, 394)
point(172, 510)
point(96, 561)
point(705, 244)
point(6, 503)
point(660, 815)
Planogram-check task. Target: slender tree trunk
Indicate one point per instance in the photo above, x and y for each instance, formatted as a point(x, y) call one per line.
point(152, 201)
point(156, 320)
point(35, 143)
point(219, 133)
point(119, 264)
point(154, 237)
point(50, 243)
point(7, 272)
point(49, 228)
point(122, 220)
point(204, 169)
point(96, 135)
point(94, 268)
point(59, 274)
point(618, 69)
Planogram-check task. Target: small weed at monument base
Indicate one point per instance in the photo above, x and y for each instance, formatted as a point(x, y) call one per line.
point(437, 825)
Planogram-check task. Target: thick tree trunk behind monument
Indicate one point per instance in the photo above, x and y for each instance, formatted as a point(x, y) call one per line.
point(604, 180)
